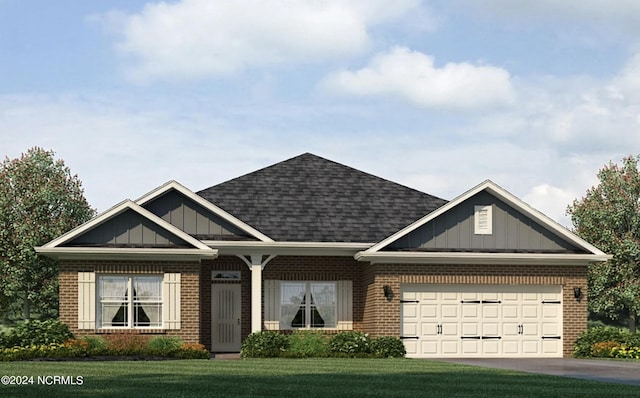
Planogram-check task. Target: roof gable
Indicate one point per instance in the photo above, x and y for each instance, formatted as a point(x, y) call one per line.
point(543, 234)
point(312, 199)
point(186, 211)
point(512, 231)
point(128, 229)
point(125, 229)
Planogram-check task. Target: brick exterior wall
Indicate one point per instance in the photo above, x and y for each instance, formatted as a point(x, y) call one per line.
point(372, 312)
point(190, 292)
point(382, 317)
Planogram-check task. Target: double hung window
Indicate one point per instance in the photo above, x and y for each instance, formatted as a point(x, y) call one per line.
point(129, 301)
point(308, 305)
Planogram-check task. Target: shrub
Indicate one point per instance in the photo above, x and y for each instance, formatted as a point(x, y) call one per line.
point(623, 351)
point(192, 351)
point(603, 349)
point(35, 332)
point(126, 344)
point(388, 347)
point(95, 345)
point(164, 345)
point(349, 343)
point(588, 338)
point(264, 344)
point(307, 344)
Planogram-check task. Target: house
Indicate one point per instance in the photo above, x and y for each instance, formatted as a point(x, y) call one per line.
point(309, 243)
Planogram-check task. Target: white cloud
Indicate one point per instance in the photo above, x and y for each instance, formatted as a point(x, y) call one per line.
point(413, 76)
point(606, 16)
point(192, 39)
point(552, 201)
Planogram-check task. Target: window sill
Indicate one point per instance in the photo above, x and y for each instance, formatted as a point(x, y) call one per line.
point(131, 331)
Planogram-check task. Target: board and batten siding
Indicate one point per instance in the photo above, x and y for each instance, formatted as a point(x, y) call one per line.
point(344, 303)
point(191, 217)
point(128, 229)
point(511, 230)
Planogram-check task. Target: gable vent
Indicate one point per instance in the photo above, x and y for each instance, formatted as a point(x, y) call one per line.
point(483, 220)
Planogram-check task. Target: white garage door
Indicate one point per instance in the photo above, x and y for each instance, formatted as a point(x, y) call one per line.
point(481, 320)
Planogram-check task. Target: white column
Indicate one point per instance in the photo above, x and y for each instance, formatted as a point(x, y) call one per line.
point(256, 293)
point(256, 265)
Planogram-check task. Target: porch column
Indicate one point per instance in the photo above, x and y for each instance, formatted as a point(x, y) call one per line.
point(256, 264)
point(256, 293)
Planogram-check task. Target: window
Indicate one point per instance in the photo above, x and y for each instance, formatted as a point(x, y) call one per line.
point(129, 301)
point(483, 220)
point(308, 305)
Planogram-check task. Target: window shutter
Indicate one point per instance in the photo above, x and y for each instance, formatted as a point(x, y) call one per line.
point(86, 300)
point(171, 301)
point(345, 305)
point(271, 300)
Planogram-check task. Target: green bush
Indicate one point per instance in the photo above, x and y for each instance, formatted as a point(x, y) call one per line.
point(349, 343)
point(264, 344)
point(388, 347)
point(35, 332)
point(164, 345)
point(307, 344)
point(585, 342)
point(95, 345)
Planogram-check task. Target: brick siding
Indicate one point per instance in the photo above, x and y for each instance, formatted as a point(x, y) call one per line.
point(372, 312)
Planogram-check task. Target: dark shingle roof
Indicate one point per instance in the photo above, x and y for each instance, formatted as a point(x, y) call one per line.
point(312, 199)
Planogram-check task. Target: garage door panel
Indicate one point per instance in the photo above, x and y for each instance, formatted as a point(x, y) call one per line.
point(470, 329)
point(428, 347)
point(530, 311)
point(449, 329)
point(450, 296)
point(491, 329)
point(531, 347)
point(429, 311)
point(550, 311)
point(510, 311)
point(450, 311)
point(471, 347)
point(470, 311)
point(550, 347)
point(482, 320)
point(491, 311)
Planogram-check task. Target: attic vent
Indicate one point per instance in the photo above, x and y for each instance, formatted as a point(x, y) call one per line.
point(483, 220)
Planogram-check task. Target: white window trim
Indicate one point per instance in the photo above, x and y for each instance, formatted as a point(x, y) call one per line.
point(130, 303)
point(307, 302)
point(483, 220)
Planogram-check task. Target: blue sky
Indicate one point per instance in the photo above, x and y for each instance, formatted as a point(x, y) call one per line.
point(437, 95)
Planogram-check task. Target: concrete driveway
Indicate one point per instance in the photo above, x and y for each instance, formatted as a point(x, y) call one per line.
point(589, 369)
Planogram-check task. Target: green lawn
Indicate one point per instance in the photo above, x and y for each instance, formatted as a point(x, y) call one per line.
point(295, 378)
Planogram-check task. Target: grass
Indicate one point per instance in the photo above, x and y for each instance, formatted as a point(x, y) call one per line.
point(297, 378)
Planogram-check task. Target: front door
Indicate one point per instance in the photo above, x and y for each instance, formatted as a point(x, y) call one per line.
point(225, 322)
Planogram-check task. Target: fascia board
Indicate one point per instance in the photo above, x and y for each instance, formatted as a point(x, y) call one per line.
point(204, 203)
point(480, 258)
point(125, 253)
point(507, 197)
point(288, 248)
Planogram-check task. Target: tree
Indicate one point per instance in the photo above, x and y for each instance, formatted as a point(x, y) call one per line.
point(39, 200)
point(609, 217)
